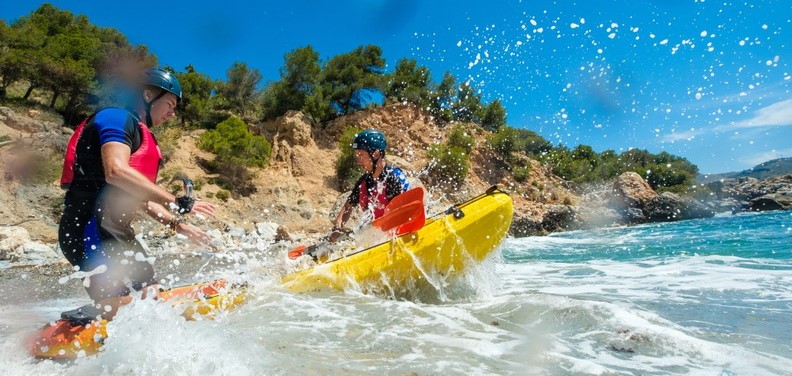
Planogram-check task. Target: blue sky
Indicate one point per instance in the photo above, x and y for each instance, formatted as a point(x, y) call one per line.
point(707, 80)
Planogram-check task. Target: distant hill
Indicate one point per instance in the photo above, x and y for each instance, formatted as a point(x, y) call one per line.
point(769, 169)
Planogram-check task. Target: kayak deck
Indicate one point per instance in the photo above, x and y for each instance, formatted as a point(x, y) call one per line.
point(445, 245)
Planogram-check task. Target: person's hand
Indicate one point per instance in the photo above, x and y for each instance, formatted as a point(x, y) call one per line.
point(203, 207)
point(336, 233)
point(333, 237)
point(193, 233)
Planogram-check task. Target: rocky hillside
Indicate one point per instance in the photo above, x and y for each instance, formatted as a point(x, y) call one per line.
point(766, 170)
point(302, 180)
point(299, 189)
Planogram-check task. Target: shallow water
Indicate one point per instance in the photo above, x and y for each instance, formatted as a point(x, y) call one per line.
point(704, 297)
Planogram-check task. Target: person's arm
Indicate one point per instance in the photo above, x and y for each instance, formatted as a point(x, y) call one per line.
point(343, 215)
point(118, 172)
point(341, 218)
point(162, 215)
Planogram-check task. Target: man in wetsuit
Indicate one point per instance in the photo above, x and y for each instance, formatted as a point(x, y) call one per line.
point(109, 172)
point(378, 185)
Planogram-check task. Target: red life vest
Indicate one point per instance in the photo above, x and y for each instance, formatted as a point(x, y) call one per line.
point(378, 201)
point(67, 175)
point(146, 159)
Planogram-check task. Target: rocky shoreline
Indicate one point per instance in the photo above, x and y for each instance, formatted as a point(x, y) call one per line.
point(630, 201)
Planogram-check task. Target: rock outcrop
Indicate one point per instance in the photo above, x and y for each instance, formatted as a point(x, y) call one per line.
point(630, 190)
point(668, 207)
point(27, 123)
point(630, 200)
point(16, 246)
point(751, 194)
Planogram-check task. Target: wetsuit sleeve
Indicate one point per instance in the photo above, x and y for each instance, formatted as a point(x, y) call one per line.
point(117, 125)
point(396, 183)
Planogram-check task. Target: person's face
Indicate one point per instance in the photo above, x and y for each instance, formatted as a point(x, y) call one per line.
point(363, 159)
point(163, 109)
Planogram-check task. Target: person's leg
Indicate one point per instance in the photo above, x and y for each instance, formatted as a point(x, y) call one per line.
point(127, 266)
point(77, 211)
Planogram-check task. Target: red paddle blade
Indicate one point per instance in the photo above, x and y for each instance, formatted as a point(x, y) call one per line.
point(415, 194)
point(413, 223)
point(297, 252)
point(405, 213)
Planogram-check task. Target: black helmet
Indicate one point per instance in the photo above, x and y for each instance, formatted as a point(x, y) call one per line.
point(370, 139)
point(164, 80)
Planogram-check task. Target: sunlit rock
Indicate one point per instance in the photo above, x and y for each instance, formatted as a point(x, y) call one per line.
point(12, 238)
point(631, 190)
point(773, 201)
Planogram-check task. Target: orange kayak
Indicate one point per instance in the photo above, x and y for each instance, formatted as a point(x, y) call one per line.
point(69, 338)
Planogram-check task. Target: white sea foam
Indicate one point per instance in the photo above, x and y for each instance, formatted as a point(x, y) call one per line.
point(591, 302)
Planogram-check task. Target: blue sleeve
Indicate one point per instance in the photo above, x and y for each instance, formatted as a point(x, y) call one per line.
point(115, 125)
point(402, 179)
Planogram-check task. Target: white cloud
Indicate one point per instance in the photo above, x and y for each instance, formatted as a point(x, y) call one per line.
point(765, 156)
point(682, 136)
point(774, 115)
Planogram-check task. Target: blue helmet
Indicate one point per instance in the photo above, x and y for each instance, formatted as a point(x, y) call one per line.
point(162, 79)
point(370, 139)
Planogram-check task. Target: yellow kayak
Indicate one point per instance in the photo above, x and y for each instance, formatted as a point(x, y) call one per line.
point(69, 339)
point(466, 233)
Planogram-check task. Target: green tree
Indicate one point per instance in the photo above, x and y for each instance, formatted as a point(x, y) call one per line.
point(409, 83)
point(349, 79)
point(239, 91)
point(609, 166)
point(504, 142)
point(66, 55)
point(532, 143)
point(197, 90)
point(232, 142)
point(442, 99)
point(467, 107)
point(459, 138)
point(69, 64)
point(318, 107)
point(25, 56)
point(448, 164)
point(14, 63)
point(5, 35)
point(493, 116)
point(347, 170)
point(299, 81)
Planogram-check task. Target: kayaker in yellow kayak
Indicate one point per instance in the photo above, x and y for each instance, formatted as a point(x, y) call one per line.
point(378, 185)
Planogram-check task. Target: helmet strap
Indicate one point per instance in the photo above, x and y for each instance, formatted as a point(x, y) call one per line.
point(147, 105)
point(374, 161)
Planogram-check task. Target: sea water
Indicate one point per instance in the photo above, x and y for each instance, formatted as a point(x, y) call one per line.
point(701, 297)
